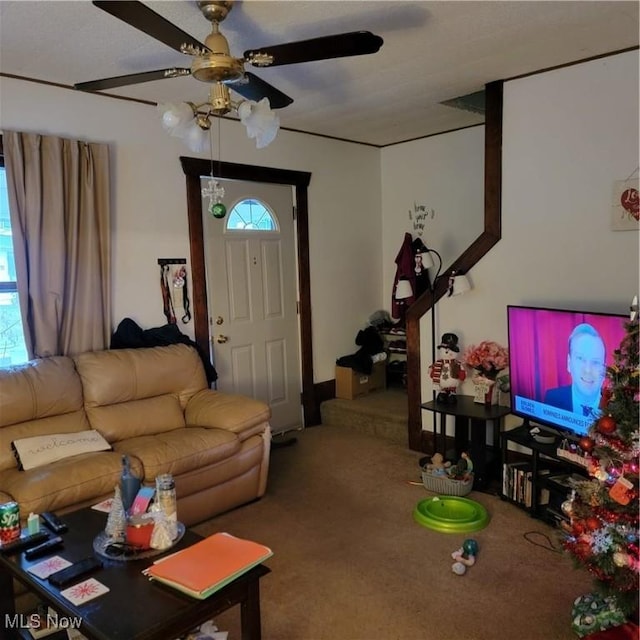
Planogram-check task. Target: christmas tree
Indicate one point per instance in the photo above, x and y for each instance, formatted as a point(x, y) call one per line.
point(603, 532)
point(117, 519)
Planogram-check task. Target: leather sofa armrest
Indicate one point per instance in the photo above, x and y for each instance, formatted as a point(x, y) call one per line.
point(216, 409)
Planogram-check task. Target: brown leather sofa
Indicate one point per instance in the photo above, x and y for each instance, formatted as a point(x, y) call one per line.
point(152, 404)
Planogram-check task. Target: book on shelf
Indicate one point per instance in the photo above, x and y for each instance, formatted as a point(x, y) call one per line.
point(515, 481)
point(209, 565)
point(528, 488)
point(544, 475)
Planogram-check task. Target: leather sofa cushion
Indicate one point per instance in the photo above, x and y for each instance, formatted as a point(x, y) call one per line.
point(38, 389)
point(136, 418)
point(65, 482)
point(66, 423)
point(238, 414)
point(179, 451)
point(40, 397)
point(248, 457)
point(121, 375)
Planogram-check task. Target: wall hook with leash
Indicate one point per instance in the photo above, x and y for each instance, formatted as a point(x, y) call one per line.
point(174, 288)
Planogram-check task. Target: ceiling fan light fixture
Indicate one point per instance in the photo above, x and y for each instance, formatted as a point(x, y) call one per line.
point(215, 10)
point(217, 67)
point(196, 138)
point(261, 121)
point(176, 117)
point(203, 121)
point(191, 122)
point(213, 63)
point(220, 99)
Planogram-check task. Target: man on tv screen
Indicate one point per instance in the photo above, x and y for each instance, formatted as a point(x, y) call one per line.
point(586, 364)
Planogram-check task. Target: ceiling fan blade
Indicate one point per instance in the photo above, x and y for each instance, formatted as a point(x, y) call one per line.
point(148, 21)
point(255, 88)
point(133, 78)
point(354, 43)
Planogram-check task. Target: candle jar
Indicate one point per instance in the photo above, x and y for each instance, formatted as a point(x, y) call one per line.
point(139, 530)
point(166, 499)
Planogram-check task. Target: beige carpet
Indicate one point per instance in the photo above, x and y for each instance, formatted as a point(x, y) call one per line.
point(350, 563)
point(382, 413)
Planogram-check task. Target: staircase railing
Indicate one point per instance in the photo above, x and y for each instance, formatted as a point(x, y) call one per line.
point(418, 439)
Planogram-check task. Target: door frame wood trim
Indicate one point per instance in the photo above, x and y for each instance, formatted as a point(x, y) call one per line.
point(194, 169)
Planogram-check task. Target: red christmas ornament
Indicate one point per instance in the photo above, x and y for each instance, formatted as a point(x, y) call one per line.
point(586, 444)
point(605, 396)
point(578, 528)
point(592, 523)
point(607, 425)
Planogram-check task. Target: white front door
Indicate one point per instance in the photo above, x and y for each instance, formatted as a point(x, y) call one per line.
point(252, 290)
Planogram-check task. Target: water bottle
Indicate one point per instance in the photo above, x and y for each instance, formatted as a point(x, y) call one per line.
point(129, 484)
point(166, 499)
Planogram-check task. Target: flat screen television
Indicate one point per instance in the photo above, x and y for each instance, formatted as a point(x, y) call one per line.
point(557, 365)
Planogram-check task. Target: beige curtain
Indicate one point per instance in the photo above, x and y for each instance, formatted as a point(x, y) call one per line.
point(60, 218)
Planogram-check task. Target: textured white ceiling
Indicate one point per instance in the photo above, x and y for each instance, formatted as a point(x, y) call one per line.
point(432, 51)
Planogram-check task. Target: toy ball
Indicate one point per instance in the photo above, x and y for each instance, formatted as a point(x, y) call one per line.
point(458, 568)
point(470, 547)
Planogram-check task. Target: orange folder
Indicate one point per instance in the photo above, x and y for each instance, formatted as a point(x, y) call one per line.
point(208, 565)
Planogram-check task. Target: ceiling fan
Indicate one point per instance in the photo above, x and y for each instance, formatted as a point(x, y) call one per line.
point(212, 61)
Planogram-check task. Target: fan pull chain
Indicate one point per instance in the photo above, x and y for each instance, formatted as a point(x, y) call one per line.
point(213, 190)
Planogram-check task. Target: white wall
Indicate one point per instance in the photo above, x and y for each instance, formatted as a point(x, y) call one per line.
point(149, 205)
point(445, 175)
point(568, 135)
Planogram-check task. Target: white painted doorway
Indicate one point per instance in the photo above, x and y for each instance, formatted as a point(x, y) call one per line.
point(252, 290)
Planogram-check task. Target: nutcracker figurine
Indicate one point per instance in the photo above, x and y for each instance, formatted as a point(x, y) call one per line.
point(447, 372)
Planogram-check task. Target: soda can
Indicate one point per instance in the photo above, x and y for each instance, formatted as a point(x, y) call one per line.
point(9, 522)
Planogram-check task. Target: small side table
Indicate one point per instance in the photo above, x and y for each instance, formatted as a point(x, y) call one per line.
point(470, 431)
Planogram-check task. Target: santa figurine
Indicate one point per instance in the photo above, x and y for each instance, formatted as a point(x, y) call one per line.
point(447, 372)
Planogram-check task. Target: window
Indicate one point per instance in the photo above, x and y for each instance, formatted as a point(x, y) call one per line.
point(251, 214)
point(12, 346)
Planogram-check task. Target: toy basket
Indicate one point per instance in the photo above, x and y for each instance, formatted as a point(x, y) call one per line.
point(446, 486)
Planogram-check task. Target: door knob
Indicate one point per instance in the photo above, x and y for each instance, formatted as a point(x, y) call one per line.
point(220, 339)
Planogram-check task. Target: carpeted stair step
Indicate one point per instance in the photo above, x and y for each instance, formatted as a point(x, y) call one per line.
point(383, 414)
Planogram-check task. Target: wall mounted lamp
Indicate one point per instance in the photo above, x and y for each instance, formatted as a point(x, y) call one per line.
point(403, 292)
point(458, 284)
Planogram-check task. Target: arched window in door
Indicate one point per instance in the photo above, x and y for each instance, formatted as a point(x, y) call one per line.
point(251, 214)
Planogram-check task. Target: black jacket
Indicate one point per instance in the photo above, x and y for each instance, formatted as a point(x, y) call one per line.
point(130, 335)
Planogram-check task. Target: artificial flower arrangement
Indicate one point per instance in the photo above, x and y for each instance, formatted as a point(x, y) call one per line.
point(487, 358)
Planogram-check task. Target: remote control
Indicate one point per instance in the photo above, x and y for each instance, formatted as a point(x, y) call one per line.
point(76, 570)
point(24, 542)
point(53, 523)
point(43, 548)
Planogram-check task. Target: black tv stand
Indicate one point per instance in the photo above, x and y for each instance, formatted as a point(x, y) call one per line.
point(470, 423)
point(558, 433)
point(543, 465)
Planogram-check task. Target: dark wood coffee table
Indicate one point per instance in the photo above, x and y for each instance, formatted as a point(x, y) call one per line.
point(134, 608)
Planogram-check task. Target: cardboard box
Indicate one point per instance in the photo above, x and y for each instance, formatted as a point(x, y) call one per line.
point(352, 384)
